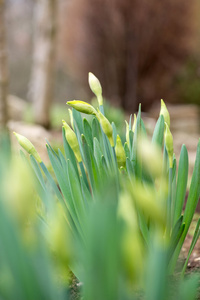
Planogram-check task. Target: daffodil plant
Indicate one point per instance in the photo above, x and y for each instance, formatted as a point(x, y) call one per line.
point(149, 189)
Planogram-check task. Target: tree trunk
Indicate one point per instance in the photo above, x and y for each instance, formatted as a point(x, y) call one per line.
point(3, 70)
point(41, 84)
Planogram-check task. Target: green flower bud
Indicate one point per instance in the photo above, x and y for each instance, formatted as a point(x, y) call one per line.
point(72, 140)
point(120, 153)
point(165, 113)
point(28, 146)
point(71, 118)
point(134, 122)
point(169, 144)
point(83, 107)
point(95, 86)
point(131, 244)
point(106, 127)
point(127, 132)
point(151, 157)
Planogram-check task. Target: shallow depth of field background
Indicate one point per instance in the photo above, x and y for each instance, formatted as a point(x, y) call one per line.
point(141, 51)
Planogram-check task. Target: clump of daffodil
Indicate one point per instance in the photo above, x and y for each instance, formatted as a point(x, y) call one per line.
point(83, 107)
point(134, 123)
point(164, 111)
point(120, 153)
point(151, 157)
point(131, 245)
point(106, 127)
point(169, 145)
point(72, 140)
point(28, 146)
point(95, 86)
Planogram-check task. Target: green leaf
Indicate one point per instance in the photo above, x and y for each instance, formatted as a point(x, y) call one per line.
point(96, 130)
point(191, 204)
point(129, 167)
point(158, 133)
point(193, 243)
point(88, 133)
point(114, 132)
point(77, 120)
point(38, 172)
point(134, 154)
point(69, 154)
point(90, 164)
point(77, 196)
point(181, 183)
point(65, 188)
point(126, 149)
point(176, 235)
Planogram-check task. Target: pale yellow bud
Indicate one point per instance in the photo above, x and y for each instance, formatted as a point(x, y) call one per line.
point(120, 153)
point(71, 118)
point(134, 122)
point(58, 236)
point(95, 86)
point(20, 197)
point(151, 157)
point(131, 244)
point(146, 198)
point(72, 140)
point(127, 132)
point(165, 113)
point(169, 144)
point(126, 210)
point(83, 107)
point(28, 146)
point(106, 127)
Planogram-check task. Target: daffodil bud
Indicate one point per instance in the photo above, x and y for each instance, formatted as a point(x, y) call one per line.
point(95, 86)
point(72, 140)
point(106, 127)
point(120, 153)
point(28, 146)
point(71, 118)
point(134, 122)
point(58, 237)
point(165, 113)
point(151, 157)
point(127, 132)
point(131, 244)
point(169, 145)
point(83, 107)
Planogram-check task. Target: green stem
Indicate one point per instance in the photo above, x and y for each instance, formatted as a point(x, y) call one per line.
point(101, 108)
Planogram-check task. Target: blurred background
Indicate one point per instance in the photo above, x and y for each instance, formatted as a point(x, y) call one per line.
point(140, 50)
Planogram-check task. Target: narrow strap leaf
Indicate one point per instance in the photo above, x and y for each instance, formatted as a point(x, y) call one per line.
point(158, 133)
point(181, 183)
point(69, 154)
point(88, 133)
point(193, 243)
point(114, 132)
point(78, 120)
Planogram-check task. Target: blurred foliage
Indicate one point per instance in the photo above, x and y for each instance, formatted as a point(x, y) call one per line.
point(57, 113)
point(186, 84)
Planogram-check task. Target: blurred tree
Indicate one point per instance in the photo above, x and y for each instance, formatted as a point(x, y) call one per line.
point(3, 70)
point(41, 84)
point(133, 46)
